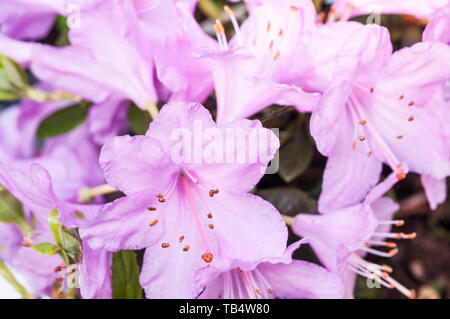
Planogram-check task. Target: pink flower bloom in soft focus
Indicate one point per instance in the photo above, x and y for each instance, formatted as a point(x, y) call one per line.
point(342, 238)
point(279, 277)
point(179, 36)
point(103, 57)
point(188, 214)
point(26, 19)
point(249, 70)
point(379, 110)
point(439, 30)
point(32, 185)
point(420, 8)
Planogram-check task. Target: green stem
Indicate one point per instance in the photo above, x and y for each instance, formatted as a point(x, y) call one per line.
point(7, 274)
point(42, 96)
point(210, 9)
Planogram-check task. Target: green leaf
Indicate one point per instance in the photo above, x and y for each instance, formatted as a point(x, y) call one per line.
point(66, 239)
point(289, 201)
point(70, 243)
point(138, 119)
point(8, 95)
point(125, 276)
point(296, 153)
point(45, 248)
point(55, 226)
point(63, 121)
point(63, 29)
point(11, 211)
point(16, 75)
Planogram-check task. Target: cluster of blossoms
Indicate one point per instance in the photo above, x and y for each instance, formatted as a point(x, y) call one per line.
point(204, 233)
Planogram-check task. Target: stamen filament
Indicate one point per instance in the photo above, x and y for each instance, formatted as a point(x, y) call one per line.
point(195, 213)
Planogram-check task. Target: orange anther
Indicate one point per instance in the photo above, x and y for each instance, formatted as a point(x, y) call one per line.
point(207, 257)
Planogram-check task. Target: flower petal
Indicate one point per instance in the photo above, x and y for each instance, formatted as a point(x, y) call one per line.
point(435, 190)
point(301, 279)
point(133, 164)
point(334, 236)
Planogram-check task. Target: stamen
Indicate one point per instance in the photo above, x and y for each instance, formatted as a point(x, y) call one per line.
point(401, 97)
point(208, 256)
point(397, 223)
point(153, 223)
point(384, 149)
point(396, 235)
point(210, 216)
point(165, 245)
point(380, 243)
point(151, 208)
point(366, 269)
point(186, 248)
point(181, 239)
point(191, 177)
point(237, 30)
point(411, 118)
point(276, 56)
point(211, 226)
point(246, 285)
point(411, 103)
point(380, 253)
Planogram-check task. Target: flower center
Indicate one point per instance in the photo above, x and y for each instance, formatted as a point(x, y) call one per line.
point(366, 132)
point(268, 42)
point(186, 180)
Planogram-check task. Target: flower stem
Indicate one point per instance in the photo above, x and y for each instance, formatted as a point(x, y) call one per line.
point(42, 96)
point(86, 195)
point(7, 274)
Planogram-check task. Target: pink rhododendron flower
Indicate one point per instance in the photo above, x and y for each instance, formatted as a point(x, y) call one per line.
point(33, 187)
point(343, 237)
point(25, 19)
point(279, 277)
point(439, 30)
point(248, 71)
point(198, 213)
point(418, 8)
point(383, 106)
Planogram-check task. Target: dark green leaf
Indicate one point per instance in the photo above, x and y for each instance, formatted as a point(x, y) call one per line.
point(45, 248)
point(16, 75)
point(125, 276)
point(138, 119)
point(289, 201)
point(295, 154)
point(11, 211)
point(63, 121)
